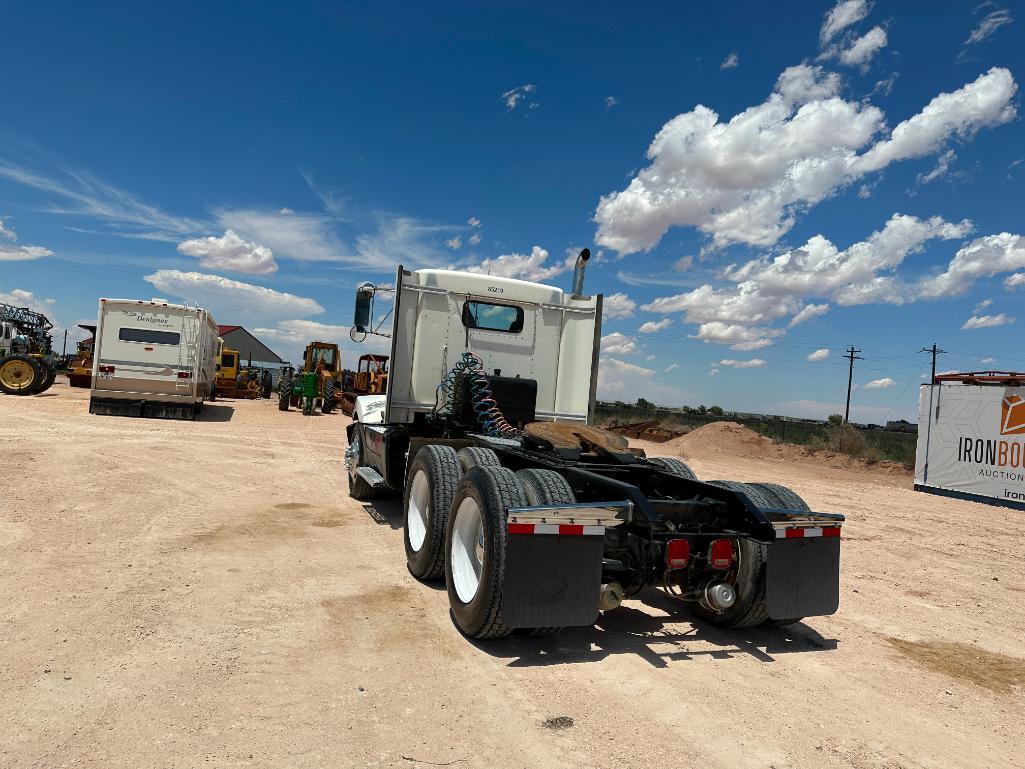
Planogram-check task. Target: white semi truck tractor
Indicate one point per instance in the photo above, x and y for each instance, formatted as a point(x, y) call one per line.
point(535, 519)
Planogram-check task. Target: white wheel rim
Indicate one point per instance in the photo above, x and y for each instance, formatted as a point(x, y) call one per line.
point(418, 510)
point(467, 549)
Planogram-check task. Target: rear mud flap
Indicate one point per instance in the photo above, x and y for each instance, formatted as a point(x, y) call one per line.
point(802, 577)
point(551, 580)
point(120, 407)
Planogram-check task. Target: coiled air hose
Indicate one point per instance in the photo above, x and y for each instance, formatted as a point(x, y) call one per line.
point(485, 407)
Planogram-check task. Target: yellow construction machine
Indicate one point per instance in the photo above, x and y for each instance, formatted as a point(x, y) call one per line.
point(80, 368)
point(318, 384)
point(233, 380)
point(369, 378)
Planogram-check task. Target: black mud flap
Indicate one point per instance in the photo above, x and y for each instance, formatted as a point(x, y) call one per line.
point(552, 580)
point(802, 577)
point(116, 407)
point(120, 407)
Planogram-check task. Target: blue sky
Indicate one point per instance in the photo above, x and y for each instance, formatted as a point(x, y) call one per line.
point(760, 183)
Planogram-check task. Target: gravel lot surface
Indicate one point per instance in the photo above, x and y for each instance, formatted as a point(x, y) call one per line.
point(179, 594)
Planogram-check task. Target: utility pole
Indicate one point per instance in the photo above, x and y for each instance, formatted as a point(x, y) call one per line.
point(852, 355)
point(65, 343)
point(935, 351)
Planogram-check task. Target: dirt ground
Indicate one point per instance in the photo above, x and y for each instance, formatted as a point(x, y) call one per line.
point(178, 594)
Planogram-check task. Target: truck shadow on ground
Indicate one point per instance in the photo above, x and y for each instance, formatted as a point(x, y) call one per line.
point(213, 412)
point(675, 636)
point(386, 511)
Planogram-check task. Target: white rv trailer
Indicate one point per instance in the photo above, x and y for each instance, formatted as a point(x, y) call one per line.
point(152, 359)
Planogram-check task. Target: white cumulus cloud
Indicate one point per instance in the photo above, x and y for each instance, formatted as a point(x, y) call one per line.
point(819, 355)
point(985, 102)
point(683, 264)
point(12, 253)
point(986, 321)
point(746, 180)
point(982, 257)
point(618, 306)
point(730, 62)
point(752, 363)
point(533, 266)
point(808, 312)
point(230, 252)
point(654, 326)
point(879, 384)
point(861, 51)
point(618, 344)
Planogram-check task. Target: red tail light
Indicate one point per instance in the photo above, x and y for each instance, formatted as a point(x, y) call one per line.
point(677, 553)
point(185, 375)
point(720, 554)
point(106, 369)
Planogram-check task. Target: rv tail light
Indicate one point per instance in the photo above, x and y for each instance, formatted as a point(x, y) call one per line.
point(184, 374)
point(677, 553)
point(106, 369)
point(720, 554)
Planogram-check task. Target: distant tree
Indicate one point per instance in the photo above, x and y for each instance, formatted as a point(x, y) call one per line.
point(645, 406)
point(717, 410)
point(836, 419)
point(702, 409)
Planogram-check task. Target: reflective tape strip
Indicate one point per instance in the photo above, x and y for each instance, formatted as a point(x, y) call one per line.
point(557, 528)
point(803, 533)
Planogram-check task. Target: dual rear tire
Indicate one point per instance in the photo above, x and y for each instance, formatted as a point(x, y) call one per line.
point(455, 525)
point(748, 575)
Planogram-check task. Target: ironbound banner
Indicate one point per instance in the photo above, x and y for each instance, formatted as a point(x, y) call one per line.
point(971, 440)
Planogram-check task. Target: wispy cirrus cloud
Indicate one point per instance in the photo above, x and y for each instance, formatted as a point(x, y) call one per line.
point(989, 23)
point(514, 96)
point(79, 193)
point(233, 299)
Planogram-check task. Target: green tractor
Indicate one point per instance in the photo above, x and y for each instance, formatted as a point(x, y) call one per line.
point(27, 366)
point(317, 384)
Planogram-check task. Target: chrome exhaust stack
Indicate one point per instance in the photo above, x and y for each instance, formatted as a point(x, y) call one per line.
point(578, 272)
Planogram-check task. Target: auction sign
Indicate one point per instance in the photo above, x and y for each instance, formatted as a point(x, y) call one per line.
point(971, 442)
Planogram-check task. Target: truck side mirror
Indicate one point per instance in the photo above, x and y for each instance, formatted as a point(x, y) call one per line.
point(364, 302)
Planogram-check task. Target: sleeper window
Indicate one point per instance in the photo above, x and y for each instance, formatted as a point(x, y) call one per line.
point(493, 317)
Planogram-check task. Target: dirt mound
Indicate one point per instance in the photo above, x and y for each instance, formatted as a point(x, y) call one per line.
point(736, 440)
point(723, 438)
